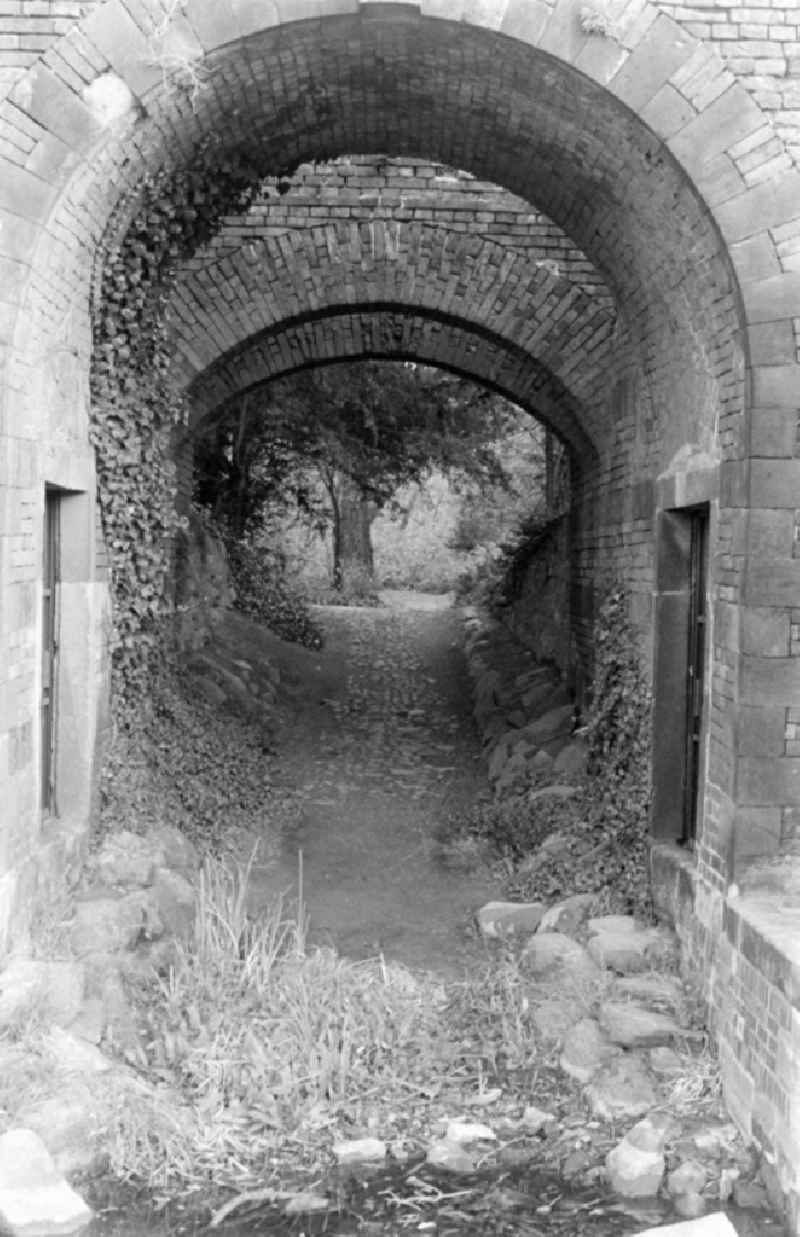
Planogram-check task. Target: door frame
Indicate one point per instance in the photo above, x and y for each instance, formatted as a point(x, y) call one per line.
point(680, 694)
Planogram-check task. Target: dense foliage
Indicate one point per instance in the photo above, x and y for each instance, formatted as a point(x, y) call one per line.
point(338, 442)
point(134, 404)
point(263, 592)
point(606, 846)
point(177, 758)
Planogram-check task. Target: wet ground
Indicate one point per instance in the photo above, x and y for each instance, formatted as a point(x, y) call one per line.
point(381, 749)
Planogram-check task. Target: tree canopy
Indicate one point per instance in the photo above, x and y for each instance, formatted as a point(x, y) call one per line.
point(360, 430)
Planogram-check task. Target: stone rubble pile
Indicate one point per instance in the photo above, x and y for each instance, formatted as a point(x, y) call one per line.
point(617, 1021)
point(524, 715)
point(137, 903)
point(608, 1002)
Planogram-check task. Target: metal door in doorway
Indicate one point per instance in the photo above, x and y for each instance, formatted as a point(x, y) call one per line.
point(695, 669)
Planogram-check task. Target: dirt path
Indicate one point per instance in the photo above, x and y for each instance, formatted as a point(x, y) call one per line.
point(381, 749)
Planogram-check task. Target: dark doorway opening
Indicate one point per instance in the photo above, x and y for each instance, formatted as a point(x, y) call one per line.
point(679, 679)
point(695, 671)
point(50, 580)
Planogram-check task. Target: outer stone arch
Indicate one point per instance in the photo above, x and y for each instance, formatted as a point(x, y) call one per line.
point(616, 138)
point(623, 140)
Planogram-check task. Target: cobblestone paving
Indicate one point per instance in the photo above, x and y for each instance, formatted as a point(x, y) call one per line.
point(385, 753)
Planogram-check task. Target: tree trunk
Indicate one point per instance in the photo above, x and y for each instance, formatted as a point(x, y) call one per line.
point(352, 545)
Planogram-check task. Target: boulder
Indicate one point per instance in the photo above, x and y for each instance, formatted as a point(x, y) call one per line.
point(501, 753)
point(53, 988)
point(535, 1119)
point(174, 902)
point(359, 1151)
point(621, 1089)
point(542, 695)
point(516, 772)
point(612, 923)
point(67, 1123)
point(551, 792)
point(665, 1063)
point(90, 1022)
point(498, 919)
point(632, 1026)
point(553, 1017)
point(636, 1165)
point(106, 921)
point(689, 1205)
point(571, 761)
point(450, 1156)
point(567, 916)
point(628, 949)
point(750, 1196)
point(554, 956)
point(466, 1132)
point(35, 1200)
point(690, 1177)
point(74, 1055)
point(541, 762)
point(653, 990)
point(552, 724)
point(124, 860)
point(585, 1051)
point(174, 849)
point(714, 1225)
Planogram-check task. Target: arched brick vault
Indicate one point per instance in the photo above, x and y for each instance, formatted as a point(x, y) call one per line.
point(636, 145)
point(393, 332)
point(524, 307)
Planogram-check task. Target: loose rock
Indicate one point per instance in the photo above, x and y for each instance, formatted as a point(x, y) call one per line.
point(585, 1051)
point(634, 1027)
point(655, 991)
point(626, 949)
point(535, 1119)
point(715, 1225)
point(106, 921)
point(465, 1132)
point(34, 1197)
point(498, 919)
point(54, 989)
point(621, 1090)
point(552, 955)
point(636, 1165)
point(451, 1156)
point(567, 916)
point(571, 760)
point(125, 859)
point(689, 1177)
point(359, 1151)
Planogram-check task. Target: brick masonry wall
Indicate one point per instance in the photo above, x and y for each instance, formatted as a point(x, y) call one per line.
point(670, 159)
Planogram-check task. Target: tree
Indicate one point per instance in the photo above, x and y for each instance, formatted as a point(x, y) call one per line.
point(363, 429)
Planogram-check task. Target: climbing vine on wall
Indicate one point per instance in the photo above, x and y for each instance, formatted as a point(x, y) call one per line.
point(619, 731)
point(136, 405)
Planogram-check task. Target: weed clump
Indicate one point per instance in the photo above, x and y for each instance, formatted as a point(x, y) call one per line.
point(271, 1046)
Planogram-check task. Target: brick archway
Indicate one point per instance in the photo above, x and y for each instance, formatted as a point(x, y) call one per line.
point(634, 138)
point(396, 332)
point(538, 322)
point(618, 137)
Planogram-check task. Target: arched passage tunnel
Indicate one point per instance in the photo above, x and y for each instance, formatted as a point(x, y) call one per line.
point(614, 141)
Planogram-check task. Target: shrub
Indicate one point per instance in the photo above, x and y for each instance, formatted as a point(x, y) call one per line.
point(264, 593)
